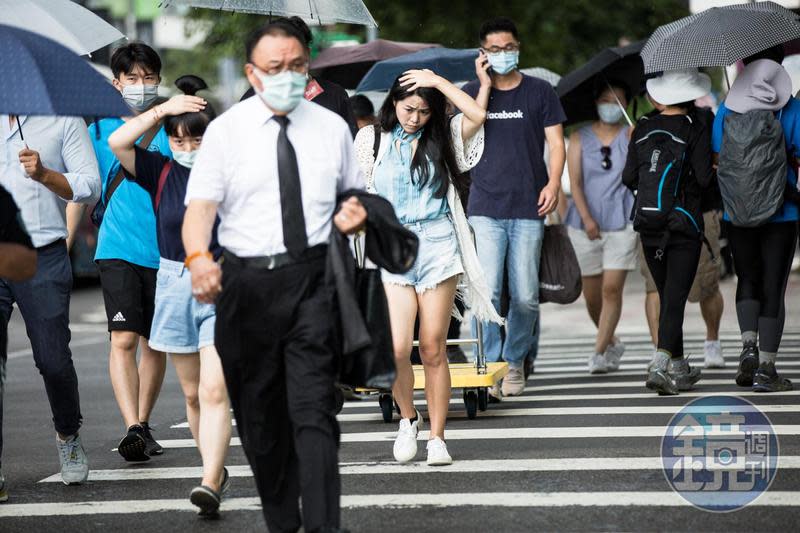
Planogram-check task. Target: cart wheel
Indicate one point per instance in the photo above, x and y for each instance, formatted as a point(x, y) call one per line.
point(386, 404)
point(483, 399)
point(471, 403)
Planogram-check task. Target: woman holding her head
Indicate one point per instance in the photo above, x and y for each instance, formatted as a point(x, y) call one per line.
point(597, 219)
point(419, 165)
point(182, 327)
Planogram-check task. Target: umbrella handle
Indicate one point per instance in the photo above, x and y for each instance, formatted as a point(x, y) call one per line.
point(624, 111)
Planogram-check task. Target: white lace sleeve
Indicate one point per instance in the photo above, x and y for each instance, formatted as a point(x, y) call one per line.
point(364, 144)
point(468, 152)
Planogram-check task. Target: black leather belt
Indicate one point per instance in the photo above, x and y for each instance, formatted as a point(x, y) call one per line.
point(55, 244)
point(273, 262)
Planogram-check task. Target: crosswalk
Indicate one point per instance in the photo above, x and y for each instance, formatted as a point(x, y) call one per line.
point(586, 444)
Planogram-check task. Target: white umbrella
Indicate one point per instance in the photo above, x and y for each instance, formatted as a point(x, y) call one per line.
point(543, 74)
point(63, 21)
point(312, 11)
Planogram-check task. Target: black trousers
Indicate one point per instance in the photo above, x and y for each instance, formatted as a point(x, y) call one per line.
point(763, 257)
point(673, 274)
point(274, 335)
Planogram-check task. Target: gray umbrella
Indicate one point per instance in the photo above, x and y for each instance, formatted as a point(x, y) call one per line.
point(312, 11)
point(719, 36)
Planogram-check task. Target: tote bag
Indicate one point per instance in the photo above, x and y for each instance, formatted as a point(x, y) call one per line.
point(559, 272)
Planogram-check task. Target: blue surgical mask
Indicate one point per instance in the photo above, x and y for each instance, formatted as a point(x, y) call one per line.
point(503, 62)
point(284, 91)
point(185, 159)
point(140, 97)
point(609, 113)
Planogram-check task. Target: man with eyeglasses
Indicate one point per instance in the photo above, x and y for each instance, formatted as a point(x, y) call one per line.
point(512, 192)
point(272, 167)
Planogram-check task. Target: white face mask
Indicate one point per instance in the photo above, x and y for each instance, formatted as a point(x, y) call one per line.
point(185, 159)
point(609, 113)
point(139, 97)
point(284, 91)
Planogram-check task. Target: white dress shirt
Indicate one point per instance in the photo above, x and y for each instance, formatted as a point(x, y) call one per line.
point(237, 167)
point(64, 146)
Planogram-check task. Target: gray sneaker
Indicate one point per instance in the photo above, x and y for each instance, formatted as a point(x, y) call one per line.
point(514, 382)
point(74, 463)
point(660, 381)
point(684, 375)
point(613, 355)
point(3, 490)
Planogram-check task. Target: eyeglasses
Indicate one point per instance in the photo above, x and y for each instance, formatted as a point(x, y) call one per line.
point(606, 162)
point(298, 67)
point(512, 47)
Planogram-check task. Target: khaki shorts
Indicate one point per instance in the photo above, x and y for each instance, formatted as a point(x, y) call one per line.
point(614, 250)
point(706, 281)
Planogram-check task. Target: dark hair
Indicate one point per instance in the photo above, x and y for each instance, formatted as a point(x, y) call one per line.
point(498, 25)
point(434, 144)
point(283, 27)
point(128, 57)
point(362, 106)
point(601, 85)
point(776, 53)
point(191, 124)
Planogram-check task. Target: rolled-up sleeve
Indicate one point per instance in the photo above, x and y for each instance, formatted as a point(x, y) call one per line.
point(351, 176)
point(207, 179)
point(80, 162)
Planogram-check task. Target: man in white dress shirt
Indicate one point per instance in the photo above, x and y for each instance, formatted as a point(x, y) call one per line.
point(54, 164)
point(272, 167)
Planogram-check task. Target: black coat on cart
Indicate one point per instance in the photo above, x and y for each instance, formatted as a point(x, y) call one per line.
point(364, 337)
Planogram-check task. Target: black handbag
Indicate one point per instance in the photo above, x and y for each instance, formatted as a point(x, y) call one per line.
point(559, 273)
point(373, 366)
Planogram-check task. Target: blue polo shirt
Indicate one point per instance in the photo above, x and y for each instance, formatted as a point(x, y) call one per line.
point(128, 231)
point(789, 118)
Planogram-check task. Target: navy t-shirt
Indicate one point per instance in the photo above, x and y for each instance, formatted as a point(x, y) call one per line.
point(507, 181)
point(171, 208)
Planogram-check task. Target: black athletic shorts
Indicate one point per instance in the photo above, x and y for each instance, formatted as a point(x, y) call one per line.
point(129, 292)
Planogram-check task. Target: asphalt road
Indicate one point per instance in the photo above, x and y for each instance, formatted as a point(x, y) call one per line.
point(575, 453)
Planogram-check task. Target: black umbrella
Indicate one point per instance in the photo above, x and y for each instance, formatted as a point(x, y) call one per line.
point(620, 64)
point(719, 36)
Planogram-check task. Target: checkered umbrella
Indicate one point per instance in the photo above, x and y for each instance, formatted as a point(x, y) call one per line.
point(719, 36)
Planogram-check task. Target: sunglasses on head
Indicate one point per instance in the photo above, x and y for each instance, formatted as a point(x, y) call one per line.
point(606, 162)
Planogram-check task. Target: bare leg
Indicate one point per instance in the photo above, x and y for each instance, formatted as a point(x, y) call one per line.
point(711, 308)
point(402, 313)
point(152, 366)
point(215, 417)
point(187, 366)
point(593, 294)
point(652, 308)
point(435, 306)
point(613, 283)
point(124, 374)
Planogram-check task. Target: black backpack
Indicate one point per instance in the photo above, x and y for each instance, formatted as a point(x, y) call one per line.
point(658, 208)
point(752, 167)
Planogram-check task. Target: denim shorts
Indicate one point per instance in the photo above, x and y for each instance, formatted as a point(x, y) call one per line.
point(181, 324)
point(438, 258)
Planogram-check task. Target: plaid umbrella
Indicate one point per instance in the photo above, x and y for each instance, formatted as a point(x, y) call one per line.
point(719, 36)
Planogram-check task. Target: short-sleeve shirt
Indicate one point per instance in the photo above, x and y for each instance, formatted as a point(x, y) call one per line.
point(128, 231)
point(12, 229)
point(171, 208)
point(507, 181)
point(790, 121)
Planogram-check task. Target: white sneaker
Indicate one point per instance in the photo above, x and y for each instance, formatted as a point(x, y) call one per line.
point(495, 394)
point(437, 453)
point(514, 382)
point(713, 355)
point(74, 463)
point(597, 364)
point(613, 355)
point(405, 444)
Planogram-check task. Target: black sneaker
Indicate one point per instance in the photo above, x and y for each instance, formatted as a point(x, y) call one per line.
point(748, 364)
point(151, 446)
point(225, 486)
point(207, 500)
point(766, 379)
point(132, 446)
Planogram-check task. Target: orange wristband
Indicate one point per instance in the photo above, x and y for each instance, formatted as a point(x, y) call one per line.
point(191, 257)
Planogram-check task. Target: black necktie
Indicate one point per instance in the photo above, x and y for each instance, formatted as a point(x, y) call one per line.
point(294, 223)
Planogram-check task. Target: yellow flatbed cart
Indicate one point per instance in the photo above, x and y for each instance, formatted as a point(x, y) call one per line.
point(475, 379)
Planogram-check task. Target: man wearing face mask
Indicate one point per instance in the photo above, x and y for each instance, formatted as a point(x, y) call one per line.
point(127, 253)
point(511, 193)
point(272, 167)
